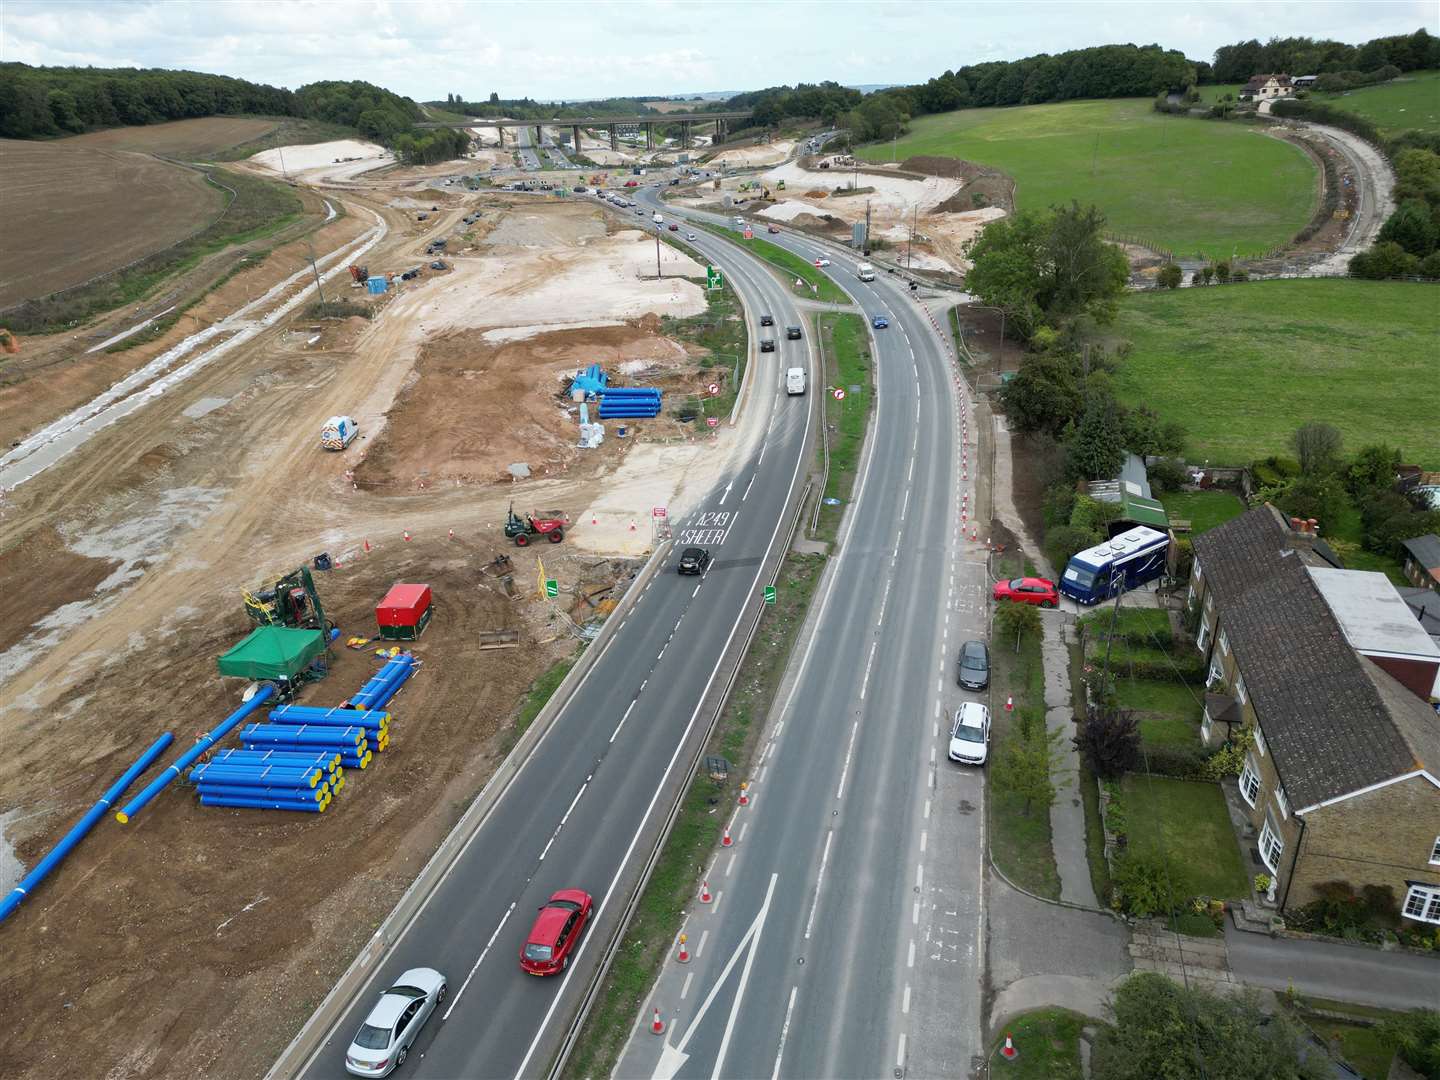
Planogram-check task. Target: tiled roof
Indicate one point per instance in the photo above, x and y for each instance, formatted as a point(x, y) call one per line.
point(1331, 724)
point(1426, 551)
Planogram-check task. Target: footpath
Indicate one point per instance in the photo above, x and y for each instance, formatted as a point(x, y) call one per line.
point(1067, 812)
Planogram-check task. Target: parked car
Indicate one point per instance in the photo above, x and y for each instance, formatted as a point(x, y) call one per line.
point(767, 320)
point(822, 261)
point(694, 560)
point(384, 1039)
point(970, 734)
point(1028, 590)
point(792, 332)
point(880, 322)
point(767, 344)
point(973, 665)
point(557, 928)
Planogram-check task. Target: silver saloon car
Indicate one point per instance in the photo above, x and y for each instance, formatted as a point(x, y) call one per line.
point(385, 1038)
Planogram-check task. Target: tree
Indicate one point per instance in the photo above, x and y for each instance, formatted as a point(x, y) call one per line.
point(1319, 496)
point(1384, 260)
point(1043, 395)
point(1411, 226)
point(1109, 741)
point(1417, 1034)
point(1085, 275)
point(1317, 448)
point(1005, 270)
point(1162, 1029)
point(1170, 276)
point(1027, 762)
point(1374, 466)
point(1018, 621)
point(1222, 271)
point(1097, 448)
point(1064, 541)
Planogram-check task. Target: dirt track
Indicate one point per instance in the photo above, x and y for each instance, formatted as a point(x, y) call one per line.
point(122, 567)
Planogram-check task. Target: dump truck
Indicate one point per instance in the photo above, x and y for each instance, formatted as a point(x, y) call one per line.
point(338, 432)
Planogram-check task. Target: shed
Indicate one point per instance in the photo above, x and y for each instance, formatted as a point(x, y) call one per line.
point(375, 285)
point(273, 652)
point(404, 613)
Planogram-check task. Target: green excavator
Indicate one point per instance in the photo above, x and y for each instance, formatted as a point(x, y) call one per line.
point(290, 601)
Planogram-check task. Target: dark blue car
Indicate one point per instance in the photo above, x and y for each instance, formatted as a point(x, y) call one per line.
point(879, 322)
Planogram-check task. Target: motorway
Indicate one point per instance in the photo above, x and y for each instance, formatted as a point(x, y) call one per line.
point(604, 773)
point(528, 158)
point(845, 937)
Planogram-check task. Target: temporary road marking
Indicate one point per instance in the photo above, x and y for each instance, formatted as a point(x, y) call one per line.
point(784, 1032)
point(622, 721)
point(730, 865)
point(924, 840)
point(704, 936)
point(819, 880)
point(456, 999)
point(904, 1001)
point(743, 827)
point(910, 960)
point(845, 770)
point(716, 906)
point(686, 988)
point(900, 1055)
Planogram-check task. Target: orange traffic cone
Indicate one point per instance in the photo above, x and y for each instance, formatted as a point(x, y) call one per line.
point(632, 524)
point(367, 545)
point(1009, 703)
point(657, 1026)
point(452, 534)
point(725, 840)
point(407, 536)
point(705, 896)
point(1008, 1051)
point(745, 793)
point(683, 956)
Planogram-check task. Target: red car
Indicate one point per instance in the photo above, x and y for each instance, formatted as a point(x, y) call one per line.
point(1028, 590)
point(557, 928)
point(674, 227)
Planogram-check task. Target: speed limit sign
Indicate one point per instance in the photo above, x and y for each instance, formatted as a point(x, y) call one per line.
point(839, 394)
point(714, 388)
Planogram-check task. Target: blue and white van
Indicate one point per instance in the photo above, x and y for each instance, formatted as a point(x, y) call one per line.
point(1127, 560)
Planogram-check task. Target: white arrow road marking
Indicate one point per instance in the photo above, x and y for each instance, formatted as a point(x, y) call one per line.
point(673, 1058)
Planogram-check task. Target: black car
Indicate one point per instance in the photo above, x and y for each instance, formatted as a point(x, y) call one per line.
point(767, 345)
point(694, 561)
point(973, 667)
point(767, 320)
point(792, 332)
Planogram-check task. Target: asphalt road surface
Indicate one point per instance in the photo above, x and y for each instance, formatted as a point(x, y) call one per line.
point(572, 816)
point(845, 937)
point(528, 158)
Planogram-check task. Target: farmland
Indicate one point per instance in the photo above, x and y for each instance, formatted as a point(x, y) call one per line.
point(191, 140)
point(1412, 101)
point(1243, 366)
point(1191, 187)
point(80, 210)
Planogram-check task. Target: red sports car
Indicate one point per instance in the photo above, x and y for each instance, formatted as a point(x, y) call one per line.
point(557, 928)
point(1028, 590)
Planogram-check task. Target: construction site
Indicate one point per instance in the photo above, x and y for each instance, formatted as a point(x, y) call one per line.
point(238, 529)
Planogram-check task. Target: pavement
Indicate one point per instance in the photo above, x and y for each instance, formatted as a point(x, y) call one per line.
point(1067, 812)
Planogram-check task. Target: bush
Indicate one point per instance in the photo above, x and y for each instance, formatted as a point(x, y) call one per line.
point(1144, 886)
point(1015, 620)
point(1167, 475)
point(1059, 504)
point(339, 309)
point(1181, 669)
point(1385, 260)
point(1274, 470)
point(1181, 762)
point(1417, 1034)
point(1063, 542)
point(1170, 276)
point(1109, 741)
point(1092, 515)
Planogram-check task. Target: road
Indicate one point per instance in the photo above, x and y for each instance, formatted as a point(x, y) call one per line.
point(845, 935)
point(528, 158)
point(601, 777)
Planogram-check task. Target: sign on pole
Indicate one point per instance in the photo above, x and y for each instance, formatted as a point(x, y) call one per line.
point(769, 594)
point(839, 394)
point(714, 388)
point(714, 279)
point(660, 513)
point(749, 233)
point(712, 420)
point(552, 587)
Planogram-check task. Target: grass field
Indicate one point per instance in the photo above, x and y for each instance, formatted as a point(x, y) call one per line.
point(190, 140)
point(1209, 95)
point(1049, 1045)
point(1192, 187)
point(1243, 366)
point(1411, 101)
point(817, 285)
point(1203, 509)
point(1186, 823)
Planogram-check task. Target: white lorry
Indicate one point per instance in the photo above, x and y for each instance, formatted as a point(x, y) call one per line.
point(338, 432)
point(866, 272)
point(794, 381)
point(659, 220)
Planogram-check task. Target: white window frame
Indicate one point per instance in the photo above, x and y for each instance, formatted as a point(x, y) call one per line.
point(1206, 725)
point(1435, 853)
point(1425, 899)
point(1224, 643)
point(1204, 633)
point(1282, 802)
point(1259, 740)
point(1240, 688)
point(1253, 774)
point(1190, 596)
point(1271, 837)
point(1217, 670)
point(1199, 573)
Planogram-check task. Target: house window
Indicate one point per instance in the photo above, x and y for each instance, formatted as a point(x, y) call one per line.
point(1435, 853)
point(1250, 781)
point(1271, 846)
point(1199, 574)
point(1224, 643)
point(1190, 596)
point(1259, 740)
point(1282, 802)
point(1217, 670)
point(1240, 687)
point(1423, 902)
point(1204, 633)
point(1205, 725)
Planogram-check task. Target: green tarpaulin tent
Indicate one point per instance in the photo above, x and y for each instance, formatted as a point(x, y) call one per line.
point(273, 652)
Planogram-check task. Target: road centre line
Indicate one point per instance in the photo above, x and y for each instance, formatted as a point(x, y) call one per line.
point(863, 687)
point(900, 1055)
point(904, 1001)
point(784, 1033)
point(819, 881)
point(696, 592)
point(456, 999)
point(746, 495)
point(704, 936)
point(910, 960)
point(686, 988)
point(845, 771)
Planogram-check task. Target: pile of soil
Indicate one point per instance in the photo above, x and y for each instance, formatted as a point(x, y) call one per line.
point(993, 187)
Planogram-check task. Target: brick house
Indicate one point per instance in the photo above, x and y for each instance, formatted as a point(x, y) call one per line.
point(1343, 780)
point(1422, 561)
point(1267, 87)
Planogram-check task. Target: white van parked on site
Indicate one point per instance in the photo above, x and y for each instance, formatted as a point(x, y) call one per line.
point(795, 381)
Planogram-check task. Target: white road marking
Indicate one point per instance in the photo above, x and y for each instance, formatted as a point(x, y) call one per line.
point(924, 840)
point(904, 1001)
point(900, 1054)
point(726, 493)
point(920, 876)
point(845, 770)
point(915, 914)
point(622, 721)
point(784, 1032)
point(696, 592)
point(863, 687)
point(730, 865)
point(743, 827)
point(910, 960)
point(456, 999)
point(746, 495)
point(819, 881)
point(686, 988)
point(704, 935)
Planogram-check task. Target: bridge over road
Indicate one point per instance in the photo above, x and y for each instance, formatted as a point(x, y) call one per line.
point(613, 124)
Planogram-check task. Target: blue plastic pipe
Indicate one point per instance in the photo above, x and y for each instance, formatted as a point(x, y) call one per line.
point(264, 804)
point(83, 826)
point(370, 719)
point(353, 739)
point(393, 686)
point(190, 756)
point(225, 791)
point(320, 758)
point(294, 775)
point(369, 696)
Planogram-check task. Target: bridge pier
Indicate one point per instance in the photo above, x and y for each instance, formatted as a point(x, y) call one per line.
point(684, 134)
point(575, 134)
point(614, 137)
point(649, 136)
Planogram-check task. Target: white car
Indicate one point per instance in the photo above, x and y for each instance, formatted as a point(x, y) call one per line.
point(822, 261)
point(385, 1038)
point(689, 236)
point(970, 734)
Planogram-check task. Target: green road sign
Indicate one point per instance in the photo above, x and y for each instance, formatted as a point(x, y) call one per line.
point(714, 279)
point(552, 587)
point(769, 594)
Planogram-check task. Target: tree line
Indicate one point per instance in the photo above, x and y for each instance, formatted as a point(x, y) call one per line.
point(1306, 56)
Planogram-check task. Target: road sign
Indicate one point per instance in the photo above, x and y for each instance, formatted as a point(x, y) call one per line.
point(713, 277)
point(552, 587)
point(712, 420)
point(659, 512)
point(749, 234)
point(769, 594)
point(714, 388)
point(839, 394)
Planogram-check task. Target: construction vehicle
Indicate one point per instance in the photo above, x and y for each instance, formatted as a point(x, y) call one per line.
point(338, 432)
point(547, 523)
point(8, 341)
point(359, 273)
point(291, 601)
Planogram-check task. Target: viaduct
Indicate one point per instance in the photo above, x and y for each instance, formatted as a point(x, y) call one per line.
point(613, 124)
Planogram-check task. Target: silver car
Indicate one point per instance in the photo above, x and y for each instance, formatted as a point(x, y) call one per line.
point(385, 1038)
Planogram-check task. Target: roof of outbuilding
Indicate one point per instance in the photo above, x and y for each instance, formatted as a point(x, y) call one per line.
point(1426, 551)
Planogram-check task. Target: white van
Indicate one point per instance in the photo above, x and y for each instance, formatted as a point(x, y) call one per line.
point(795, 381)
point(867, 272)
point(659, 220)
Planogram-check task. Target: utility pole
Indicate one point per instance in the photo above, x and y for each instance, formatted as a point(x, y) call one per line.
point(316, 270)
point(867, 226)
point(910, 247)
point(283, 171)
point(657, 250)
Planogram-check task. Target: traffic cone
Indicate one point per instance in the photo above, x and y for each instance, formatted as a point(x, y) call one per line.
point(725, 839)
point(962, 514)
point(745, 793)
point(683, 956)
point(593, 519)
point(705, 896)
point(452, 534)
point(974, 532)
point(367, 545)
point(657, 1026)
point(632, 524)
point(407, 536)
point(1009, 703)
point(1008, 1051)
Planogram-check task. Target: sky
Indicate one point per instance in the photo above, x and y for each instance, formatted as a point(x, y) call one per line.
point(561, 50)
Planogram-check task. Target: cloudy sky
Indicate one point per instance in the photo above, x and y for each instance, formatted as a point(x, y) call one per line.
point(562, 50)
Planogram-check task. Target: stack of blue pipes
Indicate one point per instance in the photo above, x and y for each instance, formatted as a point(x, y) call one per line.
point(302, 781)
point(629, 402)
